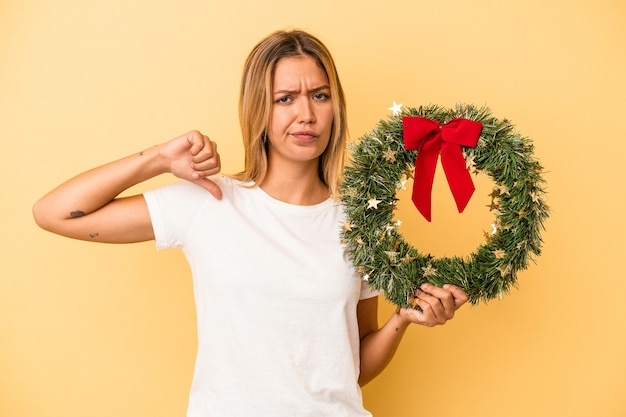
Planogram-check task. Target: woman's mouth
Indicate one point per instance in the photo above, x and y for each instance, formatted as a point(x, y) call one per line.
point(304, 136)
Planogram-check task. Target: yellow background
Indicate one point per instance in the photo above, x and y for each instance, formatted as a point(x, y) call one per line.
point(104, 330)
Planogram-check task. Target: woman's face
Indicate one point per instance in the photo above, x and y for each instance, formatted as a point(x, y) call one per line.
point(302, 112)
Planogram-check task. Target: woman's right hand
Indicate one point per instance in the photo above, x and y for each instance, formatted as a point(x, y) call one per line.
point(193, 157)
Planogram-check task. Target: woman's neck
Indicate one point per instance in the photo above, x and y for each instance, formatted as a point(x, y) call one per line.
point(301, 186)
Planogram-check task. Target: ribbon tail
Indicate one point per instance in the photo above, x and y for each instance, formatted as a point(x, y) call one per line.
point(459, 178)
point(425, 166)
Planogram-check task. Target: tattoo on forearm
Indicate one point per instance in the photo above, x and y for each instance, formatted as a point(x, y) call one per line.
point(77, 213)
point(93, 235)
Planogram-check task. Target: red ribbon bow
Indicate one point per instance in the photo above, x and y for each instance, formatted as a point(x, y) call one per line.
point(431, 138)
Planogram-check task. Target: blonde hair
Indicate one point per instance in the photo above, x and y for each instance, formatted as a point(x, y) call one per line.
point(255, 103)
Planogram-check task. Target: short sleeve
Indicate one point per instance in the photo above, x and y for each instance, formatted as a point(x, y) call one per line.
point(367, 291)
point(173, 210)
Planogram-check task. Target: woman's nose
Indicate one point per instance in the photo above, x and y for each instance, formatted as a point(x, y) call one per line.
point(306, 111)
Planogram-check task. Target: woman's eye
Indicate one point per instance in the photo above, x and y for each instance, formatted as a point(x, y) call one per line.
point(321, 96)
point(283, 100)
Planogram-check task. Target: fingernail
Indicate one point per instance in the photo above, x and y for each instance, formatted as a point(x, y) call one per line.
point(424, 286)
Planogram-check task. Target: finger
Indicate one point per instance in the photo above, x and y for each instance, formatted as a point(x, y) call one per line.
point(200, 146)
point(424, 314)
point(432, 306)
point(445, 299)
point(206, 159)
point(205, 152)
point(210, 186)
point(195, 140)
point(460, 296)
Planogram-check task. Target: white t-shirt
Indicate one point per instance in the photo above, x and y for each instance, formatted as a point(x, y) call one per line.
point(276, 299)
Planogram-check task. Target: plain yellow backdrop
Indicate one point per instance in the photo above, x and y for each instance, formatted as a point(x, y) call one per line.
point(104, 330)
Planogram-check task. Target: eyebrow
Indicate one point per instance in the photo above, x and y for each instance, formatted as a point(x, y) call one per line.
point(313, 90)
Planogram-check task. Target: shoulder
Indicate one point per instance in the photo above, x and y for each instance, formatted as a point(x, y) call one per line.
point(230, 183)
point(177, 190)
point(187, 189)
point(340, 209)
point(185, 195)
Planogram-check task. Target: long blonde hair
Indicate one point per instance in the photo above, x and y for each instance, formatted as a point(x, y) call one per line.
point(255, 103)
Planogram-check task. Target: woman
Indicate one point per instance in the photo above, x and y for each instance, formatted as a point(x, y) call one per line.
point(285, 325)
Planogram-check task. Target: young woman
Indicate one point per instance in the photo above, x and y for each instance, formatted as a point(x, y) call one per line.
point(286, 327)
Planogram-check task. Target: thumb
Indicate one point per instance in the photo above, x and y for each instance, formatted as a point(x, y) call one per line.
point(210, 186)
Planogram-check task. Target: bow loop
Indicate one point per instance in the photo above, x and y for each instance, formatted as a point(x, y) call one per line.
point(430, 138)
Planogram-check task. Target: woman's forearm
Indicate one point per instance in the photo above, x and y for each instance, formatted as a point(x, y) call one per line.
point(379, 347)
point(93, 189)
point(434, 306)
point(86, 207)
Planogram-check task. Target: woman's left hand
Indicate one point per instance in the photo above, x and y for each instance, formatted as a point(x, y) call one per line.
point(437, 305)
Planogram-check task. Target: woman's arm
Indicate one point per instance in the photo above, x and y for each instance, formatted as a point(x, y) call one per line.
point(86, 207)
point(378, 346)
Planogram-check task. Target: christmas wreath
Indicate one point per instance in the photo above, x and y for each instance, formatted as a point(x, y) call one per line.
point(468, 139)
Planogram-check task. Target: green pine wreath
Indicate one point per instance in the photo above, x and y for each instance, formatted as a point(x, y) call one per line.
point(378, 167)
